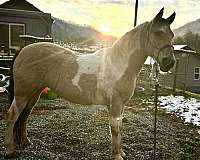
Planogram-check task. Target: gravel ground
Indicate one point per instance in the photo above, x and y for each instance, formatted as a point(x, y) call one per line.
point(64, 131)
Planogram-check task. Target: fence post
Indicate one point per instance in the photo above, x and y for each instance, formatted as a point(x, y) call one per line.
point(175, 76)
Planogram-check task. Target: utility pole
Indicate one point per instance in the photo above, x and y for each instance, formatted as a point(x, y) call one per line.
point(136, 10)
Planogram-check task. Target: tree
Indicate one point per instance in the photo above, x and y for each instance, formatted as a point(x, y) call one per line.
point(190, 39)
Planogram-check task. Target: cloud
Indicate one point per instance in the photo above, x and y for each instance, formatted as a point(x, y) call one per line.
point(118, 2)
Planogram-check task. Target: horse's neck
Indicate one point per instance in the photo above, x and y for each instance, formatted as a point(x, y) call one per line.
point(128, 52)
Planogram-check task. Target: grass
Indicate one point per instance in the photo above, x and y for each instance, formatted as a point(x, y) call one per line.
point(51, 95)
point(147, 97)
point(186, 94)
point(190, 144)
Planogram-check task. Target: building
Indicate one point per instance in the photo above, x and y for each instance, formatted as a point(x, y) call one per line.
point(19, 17)
point(187, 69)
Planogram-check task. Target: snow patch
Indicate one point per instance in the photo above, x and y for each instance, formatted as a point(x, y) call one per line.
point(187, 109)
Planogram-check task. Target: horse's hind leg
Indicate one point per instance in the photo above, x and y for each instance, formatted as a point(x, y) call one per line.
point(15, 110)
point(16, 133)
point(20, 125)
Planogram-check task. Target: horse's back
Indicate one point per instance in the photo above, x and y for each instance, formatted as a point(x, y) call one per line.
point(42, 64)
point(41, 51)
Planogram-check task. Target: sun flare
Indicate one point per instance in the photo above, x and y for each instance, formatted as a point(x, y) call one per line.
point(105, 29)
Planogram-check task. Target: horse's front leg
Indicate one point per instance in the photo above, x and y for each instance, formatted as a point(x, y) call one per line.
point(115, 117)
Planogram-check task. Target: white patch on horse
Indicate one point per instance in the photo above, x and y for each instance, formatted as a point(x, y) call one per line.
point(88, 64)
point(163, 29)
point(111, 71)
point(116, 123)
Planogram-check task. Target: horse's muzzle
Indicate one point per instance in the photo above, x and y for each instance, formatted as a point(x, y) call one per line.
point(166, 64)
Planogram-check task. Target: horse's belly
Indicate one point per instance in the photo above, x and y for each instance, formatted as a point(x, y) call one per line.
point(73, 94)
point(84, 92)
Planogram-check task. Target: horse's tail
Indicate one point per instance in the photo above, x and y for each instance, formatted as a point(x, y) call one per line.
point(11, 86)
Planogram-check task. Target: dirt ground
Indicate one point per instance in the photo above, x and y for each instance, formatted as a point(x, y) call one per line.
point(60, 130)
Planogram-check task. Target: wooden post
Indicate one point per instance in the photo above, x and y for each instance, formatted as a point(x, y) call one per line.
point(186, 71)
point(175, 76)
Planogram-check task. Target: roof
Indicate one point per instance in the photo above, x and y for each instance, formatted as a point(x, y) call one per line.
point(179, 47)
point(185, 49)
point(37, 39)
point(149, 61)
point(22, 8)
point(19, 5)
point(182, 47)
point(45, 17)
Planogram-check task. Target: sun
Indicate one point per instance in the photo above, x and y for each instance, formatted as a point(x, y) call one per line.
point(105, 28)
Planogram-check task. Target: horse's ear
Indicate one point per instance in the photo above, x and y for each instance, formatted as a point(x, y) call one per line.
point(171, 18)
point(159, 15)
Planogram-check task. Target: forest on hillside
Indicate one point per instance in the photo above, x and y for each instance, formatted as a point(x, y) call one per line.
point(190, 39)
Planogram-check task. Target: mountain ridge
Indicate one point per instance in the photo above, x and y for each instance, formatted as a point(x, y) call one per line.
point(193, 26)
point(71, 32)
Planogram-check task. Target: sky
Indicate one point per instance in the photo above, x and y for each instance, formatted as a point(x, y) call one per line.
point(116, 17)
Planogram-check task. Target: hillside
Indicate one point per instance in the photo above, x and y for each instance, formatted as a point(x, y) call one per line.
point(193, 26)
point(71, 32)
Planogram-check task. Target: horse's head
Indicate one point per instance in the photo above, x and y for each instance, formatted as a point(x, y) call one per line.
point(160, 41)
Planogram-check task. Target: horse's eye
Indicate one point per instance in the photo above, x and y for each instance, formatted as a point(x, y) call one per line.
point(159, 33)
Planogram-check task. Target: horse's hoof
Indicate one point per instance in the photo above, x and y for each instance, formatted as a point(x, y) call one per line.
point(122, 153)
point(27, 143)
point(13, 155)
point(118, 157)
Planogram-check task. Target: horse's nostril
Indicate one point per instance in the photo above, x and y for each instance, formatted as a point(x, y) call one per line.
point(166, 61)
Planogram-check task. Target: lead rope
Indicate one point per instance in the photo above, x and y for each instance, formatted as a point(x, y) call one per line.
point(156, 85)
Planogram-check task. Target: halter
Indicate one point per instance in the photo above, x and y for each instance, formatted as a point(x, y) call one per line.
point(159, 49)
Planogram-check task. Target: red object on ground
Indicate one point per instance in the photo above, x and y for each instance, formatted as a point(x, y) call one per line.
point(45, 90)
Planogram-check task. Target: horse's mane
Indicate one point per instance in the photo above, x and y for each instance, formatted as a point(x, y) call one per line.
point(130, 39)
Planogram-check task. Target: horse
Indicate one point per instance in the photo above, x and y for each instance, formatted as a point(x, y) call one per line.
point(105, 77)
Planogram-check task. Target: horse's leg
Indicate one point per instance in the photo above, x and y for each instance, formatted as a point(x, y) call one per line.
point(115, 117)
point(15, 110)
point(20, 125)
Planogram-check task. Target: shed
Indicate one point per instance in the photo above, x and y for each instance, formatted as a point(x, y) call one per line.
point(187, 68)
point(19, 17)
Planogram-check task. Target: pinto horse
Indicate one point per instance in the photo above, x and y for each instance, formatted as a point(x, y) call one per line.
point(106, 77)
